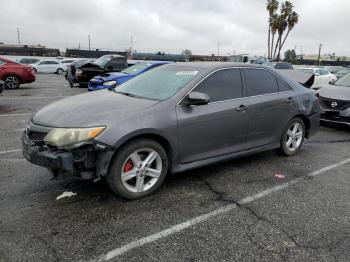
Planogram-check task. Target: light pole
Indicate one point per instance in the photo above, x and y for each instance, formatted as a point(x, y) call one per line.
point(18, 38)
point(89, 41)
point(319, 54)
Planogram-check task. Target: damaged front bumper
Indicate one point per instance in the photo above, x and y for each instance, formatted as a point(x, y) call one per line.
point(90, 161)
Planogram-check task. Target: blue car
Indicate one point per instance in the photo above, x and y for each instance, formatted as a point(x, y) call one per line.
point(110, 80)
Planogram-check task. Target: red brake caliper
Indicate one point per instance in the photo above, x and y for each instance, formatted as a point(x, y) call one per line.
point(128, 166)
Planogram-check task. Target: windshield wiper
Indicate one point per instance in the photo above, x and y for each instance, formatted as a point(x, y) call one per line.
point(127, 94)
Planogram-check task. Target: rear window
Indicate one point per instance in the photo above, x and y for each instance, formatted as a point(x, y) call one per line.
point(283, 66)
point(260, 82)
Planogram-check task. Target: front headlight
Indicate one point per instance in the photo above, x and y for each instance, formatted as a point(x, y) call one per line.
point(110, 83)
point(78, 72)
point(67, 138)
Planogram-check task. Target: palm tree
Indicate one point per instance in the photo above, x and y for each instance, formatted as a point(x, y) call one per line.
point(274, 26)
point(281, 26)
point(271, 6)
point(292, 20)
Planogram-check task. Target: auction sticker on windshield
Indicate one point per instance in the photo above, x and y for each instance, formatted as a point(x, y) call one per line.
point(186, 73)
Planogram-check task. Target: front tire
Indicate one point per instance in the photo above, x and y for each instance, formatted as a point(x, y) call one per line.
point(12, 81)
point(138, 169)
point(293, 137)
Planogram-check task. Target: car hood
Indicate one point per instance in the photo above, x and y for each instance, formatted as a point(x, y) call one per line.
point(110, 76)
point(90, 65)
point(335, 92)
point(91, 109)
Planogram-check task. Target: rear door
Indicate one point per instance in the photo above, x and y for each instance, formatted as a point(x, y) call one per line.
point(43, 67)
point(219, 127)
point(271, 105)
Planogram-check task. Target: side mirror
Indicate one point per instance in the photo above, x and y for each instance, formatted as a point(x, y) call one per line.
point(197, 98)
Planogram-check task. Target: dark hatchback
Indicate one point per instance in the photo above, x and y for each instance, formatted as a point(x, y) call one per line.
point(335, 101)
point(170, 119)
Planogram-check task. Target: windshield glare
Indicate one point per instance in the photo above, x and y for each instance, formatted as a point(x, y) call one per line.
point(344, 81)
point(160, 83)
point(136, 68)
point(102, 61)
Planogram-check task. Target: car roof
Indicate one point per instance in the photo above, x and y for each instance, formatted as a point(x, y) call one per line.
point(217, 65)
point(112, 55)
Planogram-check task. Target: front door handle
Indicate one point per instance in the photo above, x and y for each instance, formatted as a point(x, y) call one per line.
point(242, 108)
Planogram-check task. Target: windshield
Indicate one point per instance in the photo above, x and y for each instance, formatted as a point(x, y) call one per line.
point(344, 81)
point(102, 61)
point(344, 71)
point(160, 83)
point(136, 68)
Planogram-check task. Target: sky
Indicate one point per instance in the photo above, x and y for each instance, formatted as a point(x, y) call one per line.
point(240, 26)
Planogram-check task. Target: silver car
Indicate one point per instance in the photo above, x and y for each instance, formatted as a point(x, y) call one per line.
point(174, 118)
point(335, 101)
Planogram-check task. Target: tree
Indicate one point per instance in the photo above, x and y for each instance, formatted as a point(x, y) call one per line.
point(187, 53)
point(290, 56)
point(272, 7)
point(278, 23)
point(292, 20)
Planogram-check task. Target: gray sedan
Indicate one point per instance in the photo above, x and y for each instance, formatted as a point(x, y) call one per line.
point(171, 119)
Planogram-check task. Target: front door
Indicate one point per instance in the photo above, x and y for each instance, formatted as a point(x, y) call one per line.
point(219, 127)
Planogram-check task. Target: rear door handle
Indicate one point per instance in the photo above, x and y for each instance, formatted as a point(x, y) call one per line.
point(242, 108)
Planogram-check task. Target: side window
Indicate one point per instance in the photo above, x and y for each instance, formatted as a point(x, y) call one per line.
point(324, 72)
point(117, 64)
point(52, 63)
point(260, 81)
point(318, 71)
point(222, 85)
point(282, 86)
point(2, 62)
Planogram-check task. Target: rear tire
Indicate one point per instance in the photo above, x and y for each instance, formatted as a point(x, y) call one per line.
point(293, 137)
point(12, 82)
point(60, 71)
point(138, 169)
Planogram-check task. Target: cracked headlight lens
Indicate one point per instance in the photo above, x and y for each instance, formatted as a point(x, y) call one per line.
point(68, 138)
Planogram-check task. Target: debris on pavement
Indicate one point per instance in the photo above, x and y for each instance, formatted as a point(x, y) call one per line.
point(280, 175)
point(66, 194)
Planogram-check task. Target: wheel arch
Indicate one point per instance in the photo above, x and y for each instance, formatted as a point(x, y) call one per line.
point(12, 74)
point(307, 123)
point(104, 162)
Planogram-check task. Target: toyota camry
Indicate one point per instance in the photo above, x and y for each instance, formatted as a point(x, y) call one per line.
point(170, 119)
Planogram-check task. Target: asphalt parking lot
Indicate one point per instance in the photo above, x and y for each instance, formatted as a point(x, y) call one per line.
point(233, 211)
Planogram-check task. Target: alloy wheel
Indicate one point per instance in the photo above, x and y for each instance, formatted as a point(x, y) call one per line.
point(294, 136)
point(11, 82)
point(141, 170)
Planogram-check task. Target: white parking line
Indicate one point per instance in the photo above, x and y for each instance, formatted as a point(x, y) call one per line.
point(179, 227)
point(10, 151)
point(23, 114)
